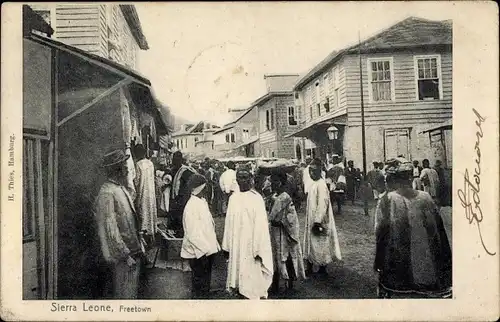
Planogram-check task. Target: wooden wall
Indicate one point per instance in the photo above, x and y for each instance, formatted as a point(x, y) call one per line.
point(406, 109)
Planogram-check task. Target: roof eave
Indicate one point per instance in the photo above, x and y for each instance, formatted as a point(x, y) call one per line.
point(132, 18)
point(264, 98)
point(354, 50)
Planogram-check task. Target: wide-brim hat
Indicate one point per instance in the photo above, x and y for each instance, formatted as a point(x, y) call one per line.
point(114, 157)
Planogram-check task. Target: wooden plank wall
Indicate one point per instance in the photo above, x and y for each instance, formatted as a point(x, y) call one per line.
point(406, 109)
point(78, 25)
point(308, 92)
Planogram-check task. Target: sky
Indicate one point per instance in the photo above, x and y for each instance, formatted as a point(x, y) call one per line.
point(207, 57)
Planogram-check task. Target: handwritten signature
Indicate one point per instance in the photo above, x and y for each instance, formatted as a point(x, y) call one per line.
point(473, 211)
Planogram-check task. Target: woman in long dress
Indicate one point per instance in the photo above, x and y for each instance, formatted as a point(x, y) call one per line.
point(413, 254)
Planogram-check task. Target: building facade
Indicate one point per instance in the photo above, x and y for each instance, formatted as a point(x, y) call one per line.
point(195, 140)
point(406, 73)
point(111, 31)
point(278, 116)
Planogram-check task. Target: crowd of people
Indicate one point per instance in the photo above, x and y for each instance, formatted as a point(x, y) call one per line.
point(261, 242)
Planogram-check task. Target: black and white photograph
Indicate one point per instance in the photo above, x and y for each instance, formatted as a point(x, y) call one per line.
point(238, 151)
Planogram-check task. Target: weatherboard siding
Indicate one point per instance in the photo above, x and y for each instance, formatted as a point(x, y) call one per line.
point(327, 87)
point(405, 109)
point(78, 26)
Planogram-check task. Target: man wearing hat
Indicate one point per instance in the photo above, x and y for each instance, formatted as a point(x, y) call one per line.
point(117, 224)
point(200, 244)
point(409, 222)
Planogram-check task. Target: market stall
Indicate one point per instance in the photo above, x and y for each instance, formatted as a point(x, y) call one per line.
point(77, 107)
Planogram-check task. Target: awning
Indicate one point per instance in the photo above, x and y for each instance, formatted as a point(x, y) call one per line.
point(447, 125)
point(324, 121)
point(138, 85)
point(250, 141)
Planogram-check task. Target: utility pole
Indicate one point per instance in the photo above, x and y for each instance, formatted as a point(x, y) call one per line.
point(363, 143)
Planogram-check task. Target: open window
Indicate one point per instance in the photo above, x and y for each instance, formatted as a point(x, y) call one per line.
point(428, 77)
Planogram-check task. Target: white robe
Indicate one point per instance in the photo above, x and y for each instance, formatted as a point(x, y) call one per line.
point(320, 250)
point(246, 235)
point(146, 195)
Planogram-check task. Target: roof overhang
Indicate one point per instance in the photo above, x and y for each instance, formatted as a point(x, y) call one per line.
point(250, 141)
point(132, 18)
point(447, 125)
point(337, 118)
point(139, 86)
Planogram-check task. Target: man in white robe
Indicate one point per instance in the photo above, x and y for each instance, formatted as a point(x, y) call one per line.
point(200, 244)
point(145, 193)
point(321, 243)
point(246, 241)
point(430, 180)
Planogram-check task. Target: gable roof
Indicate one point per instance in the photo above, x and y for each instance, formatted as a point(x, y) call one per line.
point(410, 32)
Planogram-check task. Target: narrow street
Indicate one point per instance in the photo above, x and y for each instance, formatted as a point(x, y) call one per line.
point(351, 278)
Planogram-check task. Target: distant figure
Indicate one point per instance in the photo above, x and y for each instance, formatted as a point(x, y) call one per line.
point(417, 182)
point(372, 177)
point(413, 254)
point(228, 184)
point(285, 240)
point(199, 244)
point(430, 180)
point(441, 190)
point(306, 178)
point(350, 175)
point(146, 194)
point(246, 241)
point(179, 192)
point(117, 227)
point(321, 244)
point(337, 182)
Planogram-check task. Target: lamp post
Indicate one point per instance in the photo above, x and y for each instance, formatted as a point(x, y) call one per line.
point(333, 134)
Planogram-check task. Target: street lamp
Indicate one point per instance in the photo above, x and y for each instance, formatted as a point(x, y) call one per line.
point(333, 132)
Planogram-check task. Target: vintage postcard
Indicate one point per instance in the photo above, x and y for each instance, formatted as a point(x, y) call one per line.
point(260, 161)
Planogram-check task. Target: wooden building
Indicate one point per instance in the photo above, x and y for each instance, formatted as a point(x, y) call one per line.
point(111, 31)
point(76, 107)
point(407, 87)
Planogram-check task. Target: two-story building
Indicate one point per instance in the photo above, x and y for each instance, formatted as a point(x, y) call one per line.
point(111, 31)
point(406, 73)
point(278, 116)
point(195, 139)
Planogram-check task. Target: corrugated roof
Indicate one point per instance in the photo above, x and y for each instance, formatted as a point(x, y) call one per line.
point(411, 32)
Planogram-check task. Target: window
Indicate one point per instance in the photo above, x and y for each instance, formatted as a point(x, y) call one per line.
point(270, 119)
point(336, 86)
point(428, 76)
point(272, 154)
point(195, 140)
point(326, 84)
point(292, 117)
point(245, 133)
point(380, 79)
point(397, 142)
point(327, 104)
point(227, 137)
point(318, 107)
point(232, 138)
